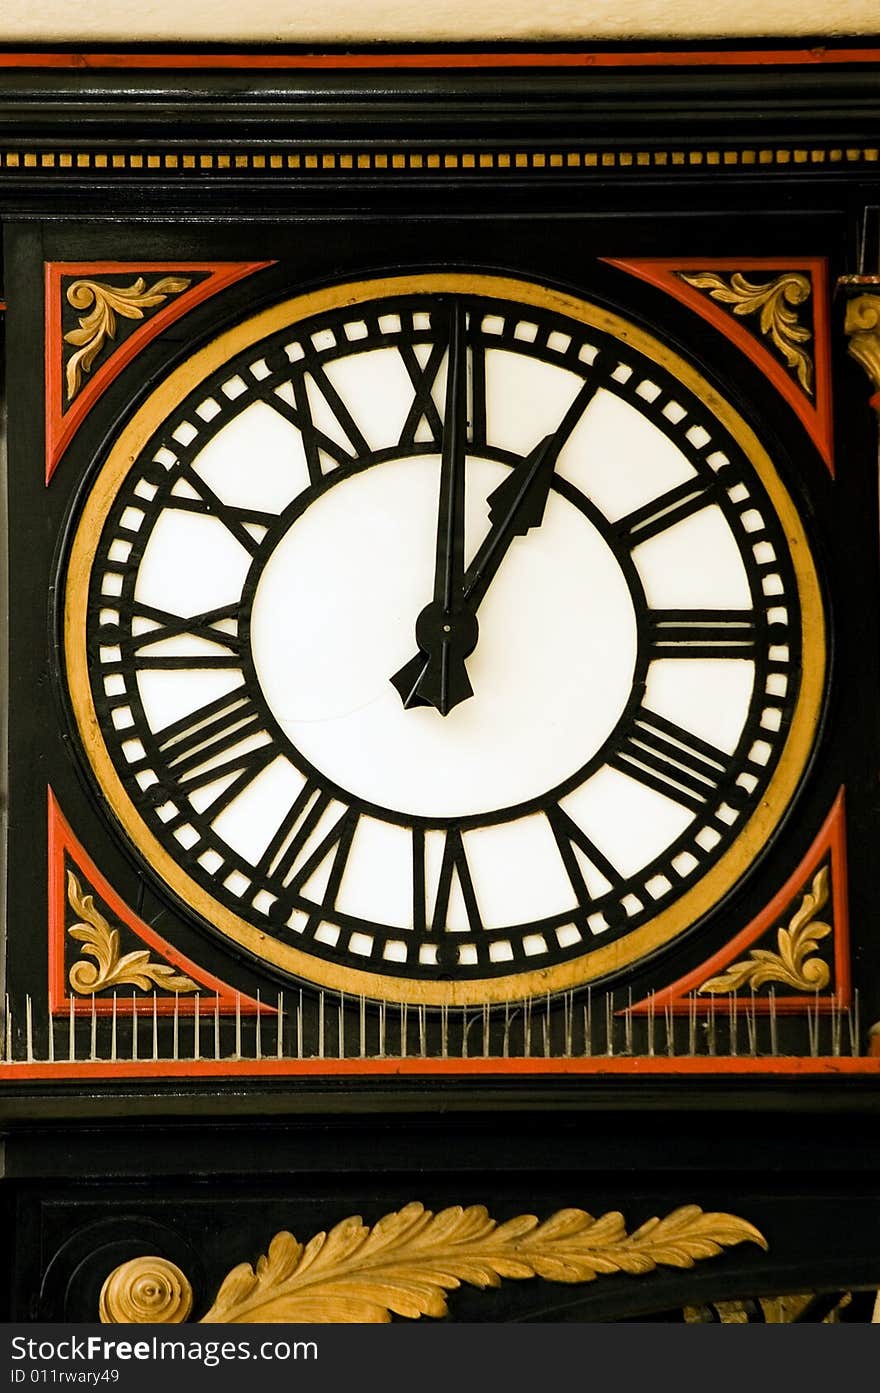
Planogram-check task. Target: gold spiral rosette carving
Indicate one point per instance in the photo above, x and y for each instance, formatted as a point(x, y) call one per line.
point(146, 1291)
point(795, 964)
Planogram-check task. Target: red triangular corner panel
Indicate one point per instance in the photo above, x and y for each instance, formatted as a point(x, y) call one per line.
point(829, 848)
point(65, 849)
point(816, 414)
point(63, 419)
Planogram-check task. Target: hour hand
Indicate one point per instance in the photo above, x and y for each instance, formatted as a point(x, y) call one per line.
point(437, 675)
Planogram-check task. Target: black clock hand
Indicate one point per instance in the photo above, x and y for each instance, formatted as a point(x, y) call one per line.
point(437, 675)
point(449, 566)
point(518, 504)
point(445, 639)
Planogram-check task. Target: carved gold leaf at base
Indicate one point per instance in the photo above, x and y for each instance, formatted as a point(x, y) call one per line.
point(767, 1310)
point(406, 1263)
point(777, 304)
point(862, 327)
point(793, 964)
point(148, 1291)
point(111, 968)
point(99, 324)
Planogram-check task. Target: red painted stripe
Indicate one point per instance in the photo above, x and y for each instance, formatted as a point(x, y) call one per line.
point(659, 58)
point(650, 1066)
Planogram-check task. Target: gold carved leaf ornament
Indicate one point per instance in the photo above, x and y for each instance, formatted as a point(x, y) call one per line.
point(776, 302)
point(99, 323)
point(862, 327)
point(110, 967)
point(793, 964)
point(406, 1263)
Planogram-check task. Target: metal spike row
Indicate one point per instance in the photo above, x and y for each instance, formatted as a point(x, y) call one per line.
point(710, 1027)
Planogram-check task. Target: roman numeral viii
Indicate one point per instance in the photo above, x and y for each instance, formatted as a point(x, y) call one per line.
point(225, 739)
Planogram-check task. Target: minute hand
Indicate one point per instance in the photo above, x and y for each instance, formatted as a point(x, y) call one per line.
point(518, 504)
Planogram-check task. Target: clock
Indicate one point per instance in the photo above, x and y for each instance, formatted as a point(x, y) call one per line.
point(443, 638)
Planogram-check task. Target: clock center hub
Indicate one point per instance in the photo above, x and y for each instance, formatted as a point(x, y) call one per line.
point(334, 615)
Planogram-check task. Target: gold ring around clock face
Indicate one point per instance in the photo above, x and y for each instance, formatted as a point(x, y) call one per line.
point(443, 639)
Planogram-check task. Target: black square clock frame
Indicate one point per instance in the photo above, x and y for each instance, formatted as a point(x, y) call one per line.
point(178, 1083)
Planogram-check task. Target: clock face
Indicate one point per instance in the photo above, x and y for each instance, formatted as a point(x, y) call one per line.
point(443, 639)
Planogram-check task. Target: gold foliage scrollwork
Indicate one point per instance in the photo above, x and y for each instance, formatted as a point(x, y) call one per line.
point(862, 327)
point(777, 304)
point(793, 964)
point(103, 303)
point(407, 1262)
point(769, 1310)
point(111, 968)
point(149, 1291)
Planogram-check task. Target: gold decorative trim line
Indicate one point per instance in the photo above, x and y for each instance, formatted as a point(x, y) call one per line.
point(862, 327)
point(103, 303)
point(406, 1263)
point(793, 964)
point(111, 968)
point(322, 161)
point(776, 302)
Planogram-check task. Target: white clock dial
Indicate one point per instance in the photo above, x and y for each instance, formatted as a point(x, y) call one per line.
point(448, 641)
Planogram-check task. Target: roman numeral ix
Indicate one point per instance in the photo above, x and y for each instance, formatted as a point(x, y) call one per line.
point(219, 627)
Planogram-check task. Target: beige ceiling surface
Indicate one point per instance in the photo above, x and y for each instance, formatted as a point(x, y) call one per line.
point(327, 21)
